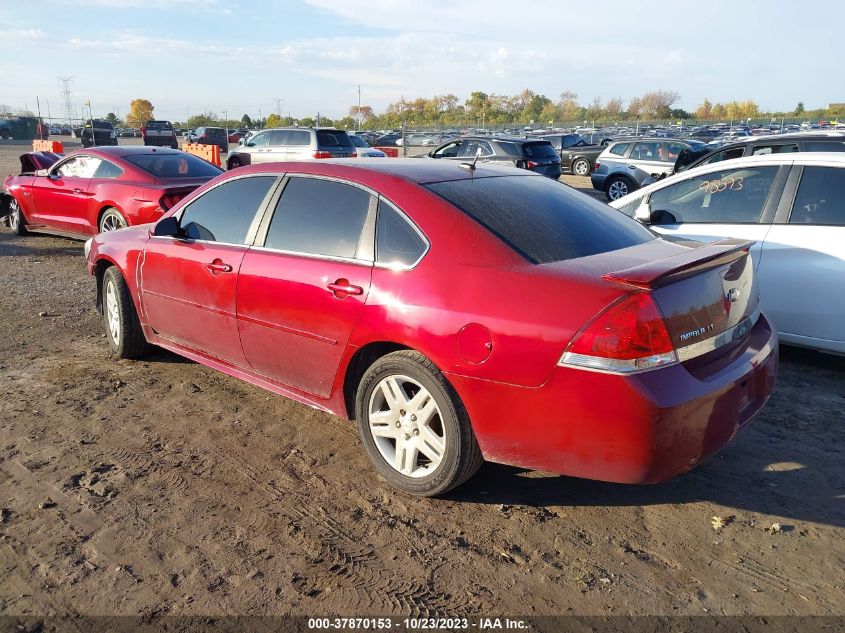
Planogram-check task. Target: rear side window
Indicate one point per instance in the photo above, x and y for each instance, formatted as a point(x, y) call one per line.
point(320, 217)
point(539, 150)
point(824, 146)
point(279, 137)
point(107, 170)
point(174, 165)
point(732, 196)
point(774, 149)
point(397, 242)
point(299, 137)
point(542, 220)
point(619, 149)
point(333, 138)
point(223, 214)
point(510, 148)
point(821, 197)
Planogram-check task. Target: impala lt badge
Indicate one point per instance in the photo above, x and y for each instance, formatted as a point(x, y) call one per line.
point(694, 333)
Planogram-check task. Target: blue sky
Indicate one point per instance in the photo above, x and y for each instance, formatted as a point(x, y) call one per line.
point(190, 56)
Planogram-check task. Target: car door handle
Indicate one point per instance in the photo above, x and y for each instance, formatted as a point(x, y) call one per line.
point(76, 190)
point(341, 288)
point(218, 267)
point(632, 166)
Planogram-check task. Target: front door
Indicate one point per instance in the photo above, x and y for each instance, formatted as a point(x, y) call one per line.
point(188, 284)
point(733, 202)
point(62, 198)
point(302, 290)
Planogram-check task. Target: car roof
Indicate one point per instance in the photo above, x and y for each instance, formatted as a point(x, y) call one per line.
point(417, 170)
point(128, 150)
point(828, 159)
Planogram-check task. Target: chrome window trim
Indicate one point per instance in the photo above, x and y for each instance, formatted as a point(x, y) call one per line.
point(331, 258)
point(720, 340)
point(413, 225)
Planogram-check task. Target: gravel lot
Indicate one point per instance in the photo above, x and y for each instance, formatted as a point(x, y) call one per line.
point(161, 487)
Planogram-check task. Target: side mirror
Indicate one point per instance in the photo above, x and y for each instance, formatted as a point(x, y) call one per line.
point(241, 141)
point(250, 144)
point(168, 227)
point(643, 213)
point(53, 175)
point(42, 172)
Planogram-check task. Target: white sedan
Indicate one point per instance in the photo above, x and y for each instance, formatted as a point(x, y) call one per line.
point(793, 206)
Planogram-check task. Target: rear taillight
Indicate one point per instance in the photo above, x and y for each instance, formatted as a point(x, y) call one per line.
point(597, 165)
point(627, 336)
point(322, 154)
point(168, 200)
point(530, 164)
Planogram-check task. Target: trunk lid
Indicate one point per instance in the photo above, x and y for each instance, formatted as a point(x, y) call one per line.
point(704, 293)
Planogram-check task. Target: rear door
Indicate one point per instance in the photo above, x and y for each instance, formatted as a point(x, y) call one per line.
point(802, 274)
point(62, 198)
point(647, 158)
point(188, 284)
point(302, 287)
point(735, 202)
point(298, 145)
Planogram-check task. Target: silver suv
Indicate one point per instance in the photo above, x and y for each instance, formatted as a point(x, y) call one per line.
point(626, 164)
point(291, 143)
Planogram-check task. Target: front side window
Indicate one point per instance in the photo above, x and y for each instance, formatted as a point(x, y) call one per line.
point(821, 197)
point(727, 154)
point(486, 150)
point(646, 151)
point(733, 196)
point(449, 151)
point(224, 214)
point(320, 217)
point(397, 242)
point(468, 148)
point(79, 167)
point(260, 140)
point(672, 150)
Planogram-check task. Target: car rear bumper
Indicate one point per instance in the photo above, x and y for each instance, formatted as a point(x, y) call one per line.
point(598, 180)
point(645, 428)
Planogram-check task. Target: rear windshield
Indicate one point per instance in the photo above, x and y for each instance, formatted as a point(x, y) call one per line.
point(173, 165)
point(215, 132)
point(539, 150)
point(333, 138)
point(163, 126)
point(542, 220)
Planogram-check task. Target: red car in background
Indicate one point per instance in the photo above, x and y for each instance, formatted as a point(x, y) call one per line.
point(99, 189)
point(458, 312)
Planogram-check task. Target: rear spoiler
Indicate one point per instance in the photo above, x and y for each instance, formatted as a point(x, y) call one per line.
point(696, 260)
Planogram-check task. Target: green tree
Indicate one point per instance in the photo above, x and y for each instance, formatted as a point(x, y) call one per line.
point(274, 120)
point(200, 120)
point(246, 121)
point(111, 117)
point(799, 109)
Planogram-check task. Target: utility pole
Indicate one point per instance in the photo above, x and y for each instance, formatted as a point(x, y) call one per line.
point(359, 117)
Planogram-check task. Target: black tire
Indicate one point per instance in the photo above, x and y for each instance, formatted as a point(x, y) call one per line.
point(5, 134)
point(618, 186)
point(17, 220)
point(235, 162)
point(126, 339)
point(461, 456)
point(111, 220)
point(583, 165)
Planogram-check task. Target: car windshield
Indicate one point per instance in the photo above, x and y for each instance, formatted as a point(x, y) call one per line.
point(542, 220)
point(173, 165)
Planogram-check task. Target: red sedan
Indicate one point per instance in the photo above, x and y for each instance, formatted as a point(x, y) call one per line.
point(99, 189)
point(458, 313)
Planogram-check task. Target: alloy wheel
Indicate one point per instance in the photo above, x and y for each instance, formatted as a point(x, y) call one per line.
point(112, 312)
point(617, 189)
point(581, 168)
point(406, 425)
point(15, 217)
point(112, 222)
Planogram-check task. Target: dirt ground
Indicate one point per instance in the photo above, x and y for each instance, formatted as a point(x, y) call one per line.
point(161, 487)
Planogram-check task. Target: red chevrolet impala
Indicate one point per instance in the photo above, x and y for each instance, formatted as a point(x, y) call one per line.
point(99, 189)
point(458, 313)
